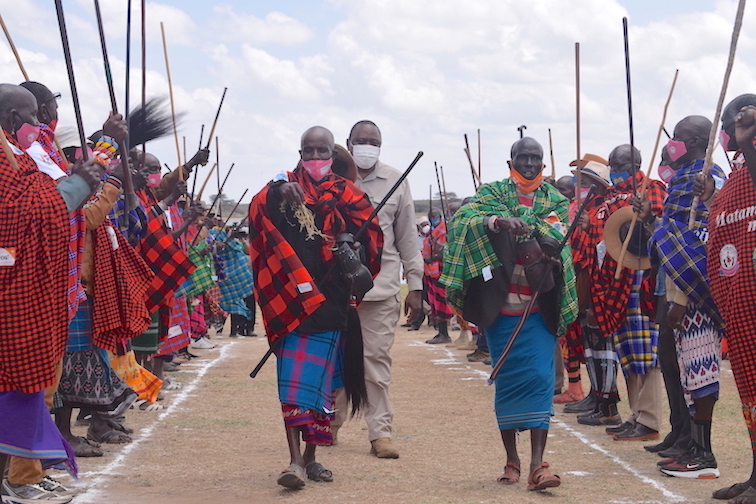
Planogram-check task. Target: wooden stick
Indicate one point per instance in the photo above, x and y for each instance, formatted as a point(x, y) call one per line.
point(551, 153)
point(184, 148)
point(626, 243)
point(217, 115)
point(476, 183)
point(144, 68)
point(628, 82)
point(577, 119)
point(8, 151)
point(440, 194)
point(217, 174)
point(202, 189)
point(127, 97)
point(720, 103)
point(170, 95)
point(479, 164)
point(443, 183)
point(13, 48)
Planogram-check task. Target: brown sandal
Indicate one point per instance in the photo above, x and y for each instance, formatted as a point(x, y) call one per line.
point(541, 478)
point(511, 474)
point(568, 397)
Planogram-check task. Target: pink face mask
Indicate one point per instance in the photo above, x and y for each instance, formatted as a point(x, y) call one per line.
point(317, 168)
point(724, 137)
point(582, 192)
point(676, 149)
point(77, 153)
point(666, 173)
point(153, 179)
point(27, 134)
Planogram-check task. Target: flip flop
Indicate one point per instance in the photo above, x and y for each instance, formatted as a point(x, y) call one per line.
point(292, 477)
point(731, 491)
point(511, 474)
point(541, 478)
point(109, 437)
point(747, 497)
point(316, 471)
point(86, 448)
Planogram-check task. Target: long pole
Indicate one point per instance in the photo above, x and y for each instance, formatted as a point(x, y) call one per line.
point(217, 115)
point(357, 236)
point(127, 97)
point(628, 82)
point(531, 304)
point(476, 182)
point(578, 147)
point(207, 178)
point(196, 168)
point(71, 77)
point(13, 48)
point(479, 164)
point(143, 27)
point(551, 153)
point(440, 193)
point(626, 243)
point(217, 177)
point(128, 184)
point(170, 95)
point(443, 183)
point(720, 103)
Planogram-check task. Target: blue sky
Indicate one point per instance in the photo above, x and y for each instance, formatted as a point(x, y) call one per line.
point(426, 71)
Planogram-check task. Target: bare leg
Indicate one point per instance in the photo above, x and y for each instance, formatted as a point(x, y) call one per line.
point(295, 451)
point(157, 368)
point(537, 446)
point(704, 407)
point(3, 465)
point(509, 438)
point(309, 453)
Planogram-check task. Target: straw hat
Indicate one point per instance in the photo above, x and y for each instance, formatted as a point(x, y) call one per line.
point(615, 231)
point(594, 167)
point(343, 163)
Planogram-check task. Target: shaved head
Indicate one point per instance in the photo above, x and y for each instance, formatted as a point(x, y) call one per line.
point(318, 132)
point(17, 105)
point(694, 132)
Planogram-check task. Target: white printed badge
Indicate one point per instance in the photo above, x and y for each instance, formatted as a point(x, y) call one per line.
point(728, 260)
point(175, 331)
point(7, 257)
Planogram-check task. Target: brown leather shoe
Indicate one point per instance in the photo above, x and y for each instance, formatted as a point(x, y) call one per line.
point(639, 433)
point(384, 448)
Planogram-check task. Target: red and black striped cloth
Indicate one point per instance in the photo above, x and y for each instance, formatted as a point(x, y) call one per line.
point(284, 288)
point(34, 227)
point(610, 297)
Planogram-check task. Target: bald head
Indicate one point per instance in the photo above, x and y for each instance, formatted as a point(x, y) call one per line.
point(566, 186)
point(625, 158)
point(17, 106)
point(527, 157)
point(317, 143)
point(693, 131)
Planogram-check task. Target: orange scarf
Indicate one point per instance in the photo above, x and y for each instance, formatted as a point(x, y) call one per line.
point(524, 185)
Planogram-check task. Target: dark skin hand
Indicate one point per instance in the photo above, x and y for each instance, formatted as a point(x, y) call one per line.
point(190, 215)
point(178, 191)
point(514, 225)
point(676, 315)
point(200, 158)
point(115, 127)
point(90, 171)
point(642, 207)
point(291, 192)
point(413, 303)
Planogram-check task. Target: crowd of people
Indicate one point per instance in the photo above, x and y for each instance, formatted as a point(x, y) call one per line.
point(605, 270)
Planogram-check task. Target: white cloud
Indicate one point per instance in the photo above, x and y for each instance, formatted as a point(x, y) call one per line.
point(275, 28)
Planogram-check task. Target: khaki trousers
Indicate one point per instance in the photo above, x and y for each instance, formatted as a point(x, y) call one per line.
point(378, 320)
point(23, 471)
point(644, 393)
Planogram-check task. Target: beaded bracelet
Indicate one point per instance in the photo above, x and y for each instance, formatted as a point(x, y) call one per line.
point(104, 151)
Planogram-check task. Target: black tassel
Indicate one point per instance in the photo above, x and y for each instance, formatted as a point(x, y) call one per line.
point(354, 364)
point(150, 122)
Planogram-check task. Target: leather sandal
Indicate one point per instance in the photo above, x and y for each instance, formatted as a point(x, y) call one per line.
point(568, 397)
point(730, 492)
point(511, 474)
point(541, 478)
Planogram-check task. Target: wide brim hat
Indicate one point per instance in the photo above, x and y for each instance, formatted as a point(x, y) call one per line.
point(67, 136)
point(343, 163)
point(595, 167)
point(616, 229)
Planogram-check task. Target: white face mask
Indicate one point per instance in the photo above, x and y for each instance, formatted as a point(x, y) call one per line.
point(365, 156)
point(426, 229)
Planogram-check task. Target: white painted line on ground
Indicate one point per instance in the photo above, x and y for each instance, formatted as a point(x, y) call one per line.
point(452, 359)
point(93, 493)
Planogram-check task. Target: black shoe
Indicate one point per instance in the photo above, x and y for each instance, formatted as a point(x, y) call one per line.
point(585, 405)
point(673, 452)
point(638, 433)
point(620, 428)
point(414, 328)
point(657, 447)
point(406, 325)
point(598, 418)
point(438, 339)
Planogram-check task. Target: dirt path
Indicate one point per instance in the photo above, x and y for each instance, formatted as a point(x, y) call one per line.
point(221, 440)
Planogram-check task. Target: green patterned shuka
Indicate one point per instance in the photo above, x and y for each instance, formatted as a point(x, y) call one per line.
point(468, 249)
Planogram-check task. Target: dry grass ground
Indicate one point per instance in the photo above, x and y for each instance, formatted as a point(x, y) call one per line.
point(222, 441)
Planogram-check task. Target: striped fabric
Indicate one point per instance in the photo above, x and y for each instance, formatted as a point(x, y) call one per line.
point(179, 319)
point(637, 338)
point(316, 426)
point(437, 298)
point(80, 328)
point(238, 283)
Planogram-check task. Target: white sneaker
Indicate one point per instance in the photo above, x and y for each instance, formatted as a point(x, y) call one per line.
point(30, 494)
point(202, 344)
point(52, 485)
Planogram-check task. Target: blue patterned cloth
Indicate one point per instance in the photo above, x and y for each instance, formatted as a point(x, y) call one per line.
point(238, 282)
point(525, 386)
point(305, 364)
point(637, 339)
point(80, 328)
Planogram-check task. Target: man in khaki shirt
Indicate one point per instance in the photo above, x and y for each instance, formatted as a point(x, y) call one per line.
point(379, 310)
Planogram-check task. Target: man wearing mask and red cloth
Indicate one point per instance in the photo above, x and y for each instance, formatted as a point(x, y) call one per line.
point(305, 298)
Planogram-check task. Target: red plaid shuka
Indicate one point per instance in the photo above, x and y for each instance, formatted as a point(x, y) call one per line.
point(34, 226)
point(284, 288)
point(165, 257)
point(610, 297)
point(121, 279)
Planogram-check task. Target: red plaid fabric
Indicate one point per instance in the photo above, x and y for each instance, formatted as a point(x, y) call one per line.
point(284, 288)
point(121, 279)
point(34, 226)
point(437, 235)
point(179, 317)
point(732, 275)
point(609, 297)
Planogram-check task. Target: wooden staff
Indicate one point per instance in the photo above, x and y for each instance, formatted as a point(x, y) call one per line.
point(196, 168)
point(551, 153)
point(476, 182)
point(72, 79)
point(7, 148)
point(479, 164)
point(128, 184)
point(626, 243)
point(720, 103)
point(143, 27)
point(217, 115)
point(440, 193)
point(577, 122)
point(170, 95)
point(430, 197)
point(13, 48)
point(443, 183)
point(202, 189)
point(628, 82)
point(220, 190)
point(127, 97)
point(217, 174)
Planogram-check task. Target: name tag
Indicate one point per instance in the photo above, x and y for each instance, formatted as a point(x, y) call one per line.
point(487, 274)
point(7, 257)
point(304, 287)
point(174, 331)
point(113, 238)
point(214, 278)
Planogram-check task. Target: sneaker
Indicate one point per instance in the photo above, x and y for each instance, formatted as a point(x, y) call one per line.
point(586, 405)
point(202, 344)
point(697, 464)
point(438, 338)
point(52, 485)
point(479, 356)
point(233, 335)
point(30, 494)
